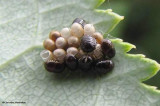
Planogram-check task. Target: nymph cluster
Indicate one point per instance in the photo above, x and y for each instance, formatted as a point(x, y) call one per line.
point(78, 47)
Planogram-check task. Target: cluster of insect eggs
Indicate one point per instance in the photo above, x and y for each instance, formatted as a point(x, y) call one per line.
point(78, 47)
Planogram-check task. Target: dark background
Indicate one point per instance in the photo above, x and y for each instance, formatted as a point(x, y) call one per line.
point(141, 27)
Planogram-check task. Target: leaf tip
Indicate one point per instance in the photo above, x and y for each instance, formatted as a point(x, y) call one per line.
point(151, 88)
point(158, 66)
point(109, 10)
point(124, 45)
point(119, 17)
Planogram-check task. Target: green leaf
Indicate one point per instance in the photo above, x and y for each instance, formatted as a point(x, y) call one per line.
point(23, 27)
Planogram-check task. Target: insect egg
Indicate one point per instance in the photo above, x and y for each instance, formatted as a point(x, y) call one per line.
point(49, 44)
point(54, 66)
point(61, 42)
point(59, 55)
point(80, 53)
point(98, 36)
point(107, 48)
point(88, 43)
point(85, 63)
point(89, 29)
point(54, 35)
point(104, 66)
point(73, 41)
point(77, 30)
point(72, 50)
point(71, 61)
point(97, 53)
point(65, 33)
point(112, 53)
point(46, 55)
point(80, 21)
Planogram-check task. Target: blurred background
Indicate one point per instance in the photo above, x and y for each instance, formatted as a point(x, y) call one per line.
point(141, 27)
